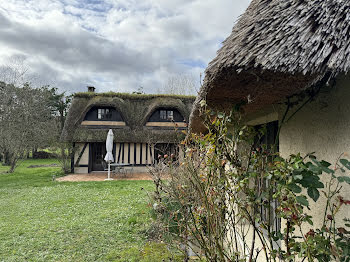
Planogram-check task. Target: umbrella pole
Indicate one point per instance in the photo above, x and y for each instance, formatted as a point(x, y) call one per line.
point(109, 172)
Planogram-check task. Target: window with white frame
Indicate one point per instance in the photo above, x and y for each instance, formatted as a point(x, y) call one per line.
point(104, 113)
point(163, 114)
point(170, 115)
point(167, 115)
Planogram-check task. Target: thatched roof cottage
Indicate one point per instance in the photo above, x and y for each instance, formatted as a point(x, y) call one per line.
point(279, 49)
point(143, 126)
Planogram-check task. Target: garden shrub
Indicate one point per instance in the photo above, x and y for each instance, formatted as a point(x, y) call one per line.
point(43, 155)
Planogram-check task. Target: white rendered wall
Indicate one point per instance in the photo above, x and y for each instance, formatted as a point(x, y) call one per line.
point(323, 127)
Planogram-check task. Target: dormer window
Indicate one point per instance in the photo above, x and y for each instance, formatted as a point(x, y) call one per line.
point(166, 118)
point(104, 114)
point(167, 115)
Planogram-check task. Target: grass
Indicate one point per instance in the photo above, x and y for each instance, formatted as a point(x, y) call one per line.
point(45, 220)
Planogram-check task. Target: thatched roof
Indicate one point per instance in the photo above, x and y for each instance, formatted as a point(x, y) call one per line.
point(135, 110)
point(276, 49)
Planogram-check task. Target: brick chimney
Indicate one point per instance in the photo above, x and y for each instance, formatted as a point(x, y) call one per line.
point(91, 89)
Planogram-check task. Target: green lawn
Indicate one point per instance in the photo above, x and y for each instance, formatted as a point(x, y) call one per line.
point(44, 220)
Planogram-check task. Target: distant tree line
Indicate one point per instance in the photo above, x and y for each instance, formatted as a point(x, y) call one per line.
point(30, 118)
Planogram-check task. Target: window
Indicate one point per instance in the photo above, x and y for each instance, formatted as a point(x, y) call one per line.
point(163, 114)
point(266, 141)
point(170, 115)
point(167, 115)
point(104, 113)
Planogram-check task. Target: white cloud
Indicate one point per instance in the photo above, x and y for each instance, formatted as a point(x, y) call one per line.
point(116, 45)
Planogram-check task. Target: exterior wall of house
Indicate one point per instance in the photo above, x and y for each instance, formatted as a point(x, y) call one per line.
point(134, 153)
point(82, 167)
point(138, 155)
point(323, 127)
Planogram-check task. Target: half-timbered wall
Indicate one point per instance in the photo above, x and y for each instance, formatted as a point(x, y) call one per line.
point(81, 158)
point(134, 153)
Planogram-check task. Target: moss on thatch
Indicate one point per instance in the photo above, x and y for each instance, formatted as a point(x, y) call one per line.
point(135, 110)
point(131, 96)
point(276, 49)
point(127, 135)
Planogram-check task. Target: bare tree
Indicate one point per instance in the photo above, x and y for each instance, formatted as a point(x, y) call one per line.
point(15, 71)
point(26, 121)
point(179, 85)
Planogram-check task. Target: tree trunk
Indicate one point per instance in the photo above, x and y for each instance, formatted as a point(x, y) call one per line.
point(13, 165)
point(65, 158)
point(62, 120)
point(34, 151)
point(7, 158)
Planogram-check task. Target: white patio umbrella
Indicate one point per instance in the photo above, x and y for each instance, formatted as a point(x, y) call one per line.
point(109, 156)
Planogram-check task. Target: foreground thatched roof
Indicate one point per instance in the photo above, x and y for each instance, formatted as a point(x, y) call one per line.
point(294, 36)
point(134, 108)
point(278, 48)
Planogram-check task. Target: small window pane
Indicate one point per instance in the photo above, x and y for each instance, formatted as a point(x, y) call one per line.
point(170, 115)
point(163, 114)
point(108, 114)
point(99, 114)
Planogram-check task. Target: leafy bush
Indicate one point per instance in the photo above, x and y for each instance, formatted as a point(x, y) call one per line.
point(43, 155)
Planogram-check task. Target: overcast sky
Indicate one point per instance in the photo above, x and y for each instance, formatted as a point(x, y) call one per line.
point(114, 45)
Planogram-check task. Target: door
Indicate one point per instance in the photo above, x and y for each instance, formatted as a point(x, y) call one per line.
point(98, 151)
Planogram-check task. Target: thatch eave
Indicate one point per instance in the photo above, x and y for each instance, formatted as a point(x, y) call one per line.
point(126, 135)
point(255, 89)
